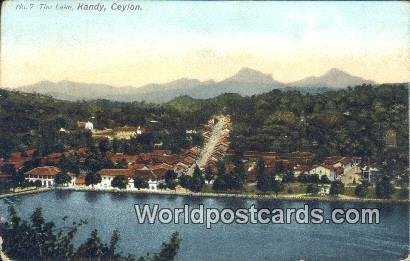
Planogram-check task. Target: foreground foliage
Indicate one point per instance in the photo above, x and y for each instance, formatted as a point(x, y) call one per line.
point(42, 240)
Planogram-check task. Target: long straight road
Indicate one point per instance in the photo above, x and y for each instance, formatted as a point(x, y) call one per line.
point(210, 146)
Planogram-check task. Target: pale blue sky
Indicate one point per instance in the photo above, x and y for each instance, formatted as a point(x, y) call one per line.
point(168, 40)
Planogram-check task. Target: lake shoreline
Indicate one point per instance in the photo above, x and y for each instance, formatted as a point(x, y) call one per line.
point(244, 196)
point(216, 195)
point(24, 192)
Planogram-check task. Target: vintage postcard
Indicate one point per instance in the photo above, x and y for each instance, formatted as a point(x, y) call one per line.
point(204, 130)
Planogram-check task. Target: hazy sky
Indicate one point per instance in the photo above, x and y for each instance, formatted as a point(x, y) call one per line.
point(204, 40)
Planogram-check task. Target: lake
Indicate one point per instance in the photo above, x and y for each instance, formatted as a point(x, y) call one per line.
point(109, 211)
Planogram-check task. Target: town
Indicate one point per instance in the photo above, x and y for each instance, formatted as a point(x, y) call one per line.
point(160, 169)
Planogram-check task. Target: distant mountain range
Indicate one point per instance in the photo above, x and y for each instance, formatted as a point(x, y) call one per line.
point(334, 78)
point(245, 82)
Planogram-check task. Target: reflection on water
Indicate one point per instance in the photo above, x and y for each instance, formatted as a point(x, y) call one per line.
point(118, 196)
point(63, 194)
point(109, 211)
point(91, 196)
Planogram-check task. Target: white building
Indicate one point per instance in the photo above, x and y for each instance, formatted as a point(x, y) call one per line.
point(89, 126)
point(44, 174)
point(107, 176)
point(331, 172)
point(370, 172)
point(324, 189)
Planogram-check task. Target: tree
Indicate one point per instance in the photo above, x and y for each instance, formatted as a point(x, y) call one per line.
point(169, 250)
point(235, 181)
point(92, 179)
point(276, 187)
point(314, 178)
point(302, 178)
point(170, 179)
point(17, 177)
point(92, 248)
point(280, 168)
point(221, 169)
point(115, 238)
point(120, 182)
point(140, 183)
point(336, 188)
point(116, 145)
point(122, 164)
point(62, 178)
point(312, 189)
point(197, 180)
point(208, 175)
point(162, 186)
point(362, 189)
point(185, 181)
point(240, 169)
point(42, 240)
point(95, 162)
point(384, 188)
point(264, 182)
point(288, 177)
point(219, 183)
point(68, 164)
point(39, 240)
point(324, 179)
point(263, 178)
point(104, 146)
point(260, 167)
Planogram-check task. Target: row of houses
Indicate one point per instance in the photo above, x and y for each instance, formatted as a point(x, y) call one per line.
point(332, 167)
point(151, 165)
point(301, 163)
point(153, 175)
point(222, 145)
point(178, 162)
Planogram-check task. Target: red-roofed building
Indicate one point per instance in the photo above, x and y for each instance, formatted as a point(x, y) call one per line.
point(107, 175)
point(130, 159)
point(160, 152)
point(80, 181)
point(153, 177)
point(344, 162)
point(301, 169)
point(331, 172)
point(44, 174)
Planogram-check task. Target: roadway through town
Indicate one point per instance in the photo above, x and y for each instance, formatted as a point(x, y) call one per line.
point(210, 146)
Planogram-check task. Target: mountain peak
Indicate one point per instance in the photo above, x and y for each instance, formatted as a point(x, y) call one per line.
point(333, 78)
point(336, 71)
point(249, 75)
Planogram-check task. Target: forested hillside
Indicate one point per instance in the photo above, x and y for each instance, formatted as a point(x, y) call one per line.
point(370, 122)
point(34, 121)
point(366, 121)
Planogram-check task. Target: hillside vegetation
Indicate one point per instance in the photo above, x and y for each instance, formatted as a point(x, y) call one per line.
point(366, 121)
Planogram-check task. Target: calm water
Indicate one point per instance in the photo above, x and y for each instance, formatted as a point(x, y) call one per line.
point(106, 211)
